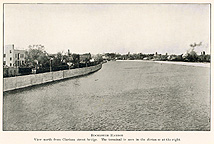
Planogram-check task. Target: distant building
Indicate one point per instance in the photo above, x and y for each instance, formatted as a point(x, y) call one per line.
point(13, 57)
point(84, 57)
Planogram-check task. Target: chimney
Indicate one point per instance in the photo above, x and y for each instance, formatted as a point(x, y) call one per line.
point(68, 52)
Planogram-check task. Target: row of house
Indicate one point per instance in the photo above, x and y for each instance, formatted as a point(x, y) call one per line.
point(189, 56)
point(14, 59)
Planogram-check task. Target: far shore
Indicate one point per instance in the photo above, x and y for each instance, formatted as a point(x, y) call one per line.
point(175, 62)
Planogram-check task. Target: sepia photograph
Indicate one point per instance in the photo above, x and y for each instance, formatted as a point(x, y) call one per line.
point(106, 67)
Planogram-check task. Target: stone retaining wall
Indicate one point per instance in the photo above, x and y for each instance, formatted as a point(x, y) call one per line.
point(35, 79)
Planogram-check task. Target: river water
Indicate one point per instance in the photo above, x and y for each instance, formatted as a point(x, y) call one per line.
point(122, 96)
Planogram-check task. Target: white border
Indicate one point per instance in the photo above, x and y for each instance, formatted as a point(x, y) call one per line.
point(27, 137)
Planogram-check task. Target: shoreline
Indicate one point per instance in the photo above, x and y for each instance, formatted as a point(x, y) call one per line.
point(20, 82)
point(198, 64)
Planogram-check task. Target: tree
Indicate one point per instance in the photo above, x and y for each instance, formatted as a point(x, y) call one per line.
point(58, 59)
point(36, 56)
point(191, 55)
point(75, 59)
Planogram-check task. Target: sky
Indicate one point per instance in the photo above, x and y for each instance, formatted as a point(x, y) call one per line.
point(101, 28)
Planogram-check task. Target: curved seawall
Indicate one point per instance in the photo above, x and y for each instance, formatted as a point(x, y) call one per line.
point(18, 82)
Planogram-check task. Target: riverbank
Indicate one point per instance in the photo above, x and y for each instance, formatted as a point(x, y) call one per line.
point(175, 62)
point(18, 82)
point(186, 63)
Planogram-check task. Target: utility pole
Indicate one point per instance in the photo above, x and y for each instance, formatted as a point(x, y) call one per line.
point(51, 64)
